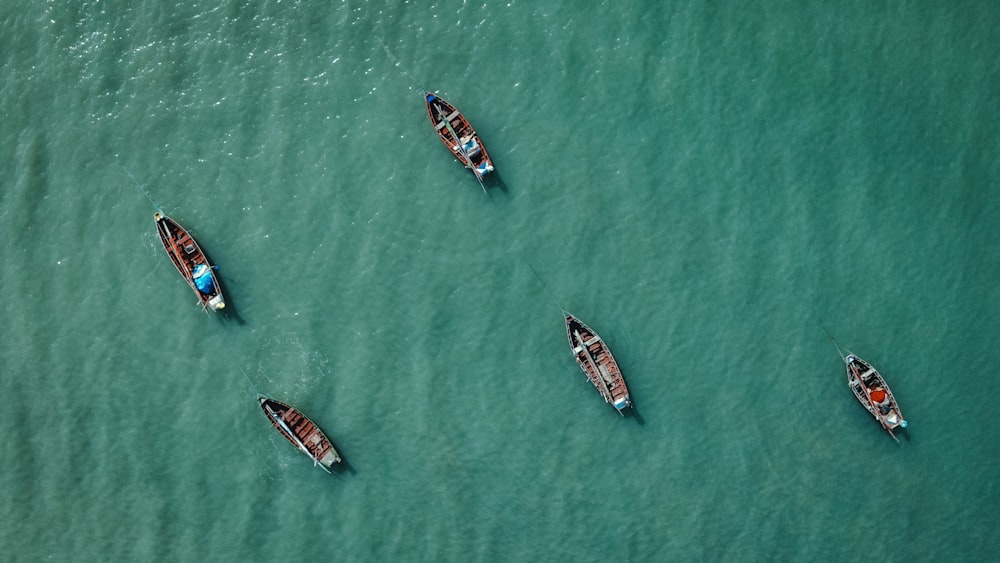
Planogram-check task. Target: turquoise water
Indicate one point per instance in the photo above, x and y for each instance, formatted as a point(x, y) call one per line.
point(710, 188)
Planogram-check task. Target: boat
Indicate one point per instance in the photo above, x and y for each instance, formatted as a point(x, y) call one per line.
point(594, 358)
point(872, 392)
point(458, 135)
point(191, 262)
point(301, 432)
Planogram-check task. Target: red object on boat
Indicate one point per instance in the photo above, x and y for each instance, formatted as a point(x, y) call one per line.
point(878, 395)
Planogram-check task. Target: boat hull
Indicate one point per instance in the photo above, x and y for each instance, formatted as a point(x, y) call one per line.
point(594, 358)
point(457, 134)
point(871, 390)
point(189, 259)
point(301, 432)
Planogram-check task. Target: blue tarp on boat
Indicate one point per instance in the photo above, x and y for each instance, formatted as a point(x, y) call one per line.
point(203, 279)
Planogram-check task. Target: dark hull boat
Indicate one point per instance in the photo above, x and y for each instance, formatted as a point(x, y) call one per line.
point(301, 432)
point(457, 134)
point(872, 392)
point(191, 262)
point(595, 359)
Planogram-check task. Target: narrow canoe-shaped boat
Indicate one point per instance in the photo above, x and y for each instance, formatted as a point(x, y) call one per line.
point(595, 359)
point(458, 135)
point(191, 262)
point(873, 393)
point(301, 432)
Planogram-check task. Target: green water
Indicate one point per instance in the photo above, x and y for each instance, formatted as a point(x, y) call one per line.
point(711, 188)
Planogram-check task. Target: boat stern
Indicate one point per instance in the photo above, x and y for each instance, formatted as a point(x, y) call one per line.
point(484, 168)
point(622, 403)
point(217, 303)
point(895, 420)
point(331, 457)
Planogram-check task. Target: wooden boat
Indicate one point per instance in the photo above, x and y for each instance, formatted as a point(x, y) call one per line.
point(458, 135)
point(873, 393)
point(595, 359)
point(191, 262)
point(301, 432)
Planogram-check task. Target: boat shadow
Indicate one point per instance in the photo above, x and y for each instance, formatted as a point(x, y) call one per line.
point(494, 181)
point(342, 468)
point(230, 314)
point(634, 413)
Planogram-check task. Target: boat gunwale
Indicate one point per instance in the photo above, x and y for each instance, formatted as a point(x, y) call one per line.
point(452, 145)
point(596, 379)
point(313, 427)
point(170, 244)
point(865, 399)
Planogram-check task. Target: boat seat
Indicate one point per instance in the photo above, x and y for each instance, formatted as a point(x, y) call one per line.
point(470, 145)
point(189, 248)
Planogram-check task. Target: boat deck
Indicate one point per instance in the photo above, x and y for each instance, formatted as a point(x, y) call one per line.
point(185, 254)
point(457, 134)
point(595, 360)
point(867, 383)
point(303, 430)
